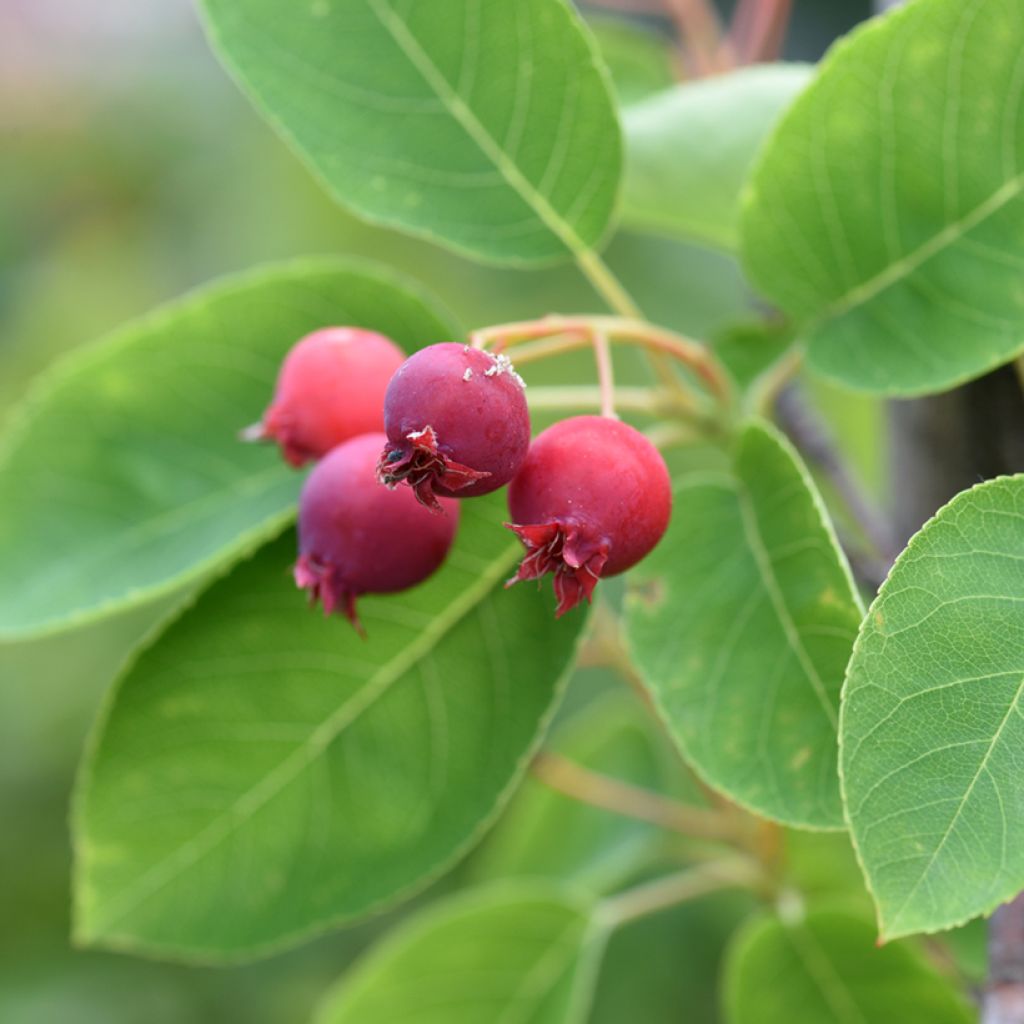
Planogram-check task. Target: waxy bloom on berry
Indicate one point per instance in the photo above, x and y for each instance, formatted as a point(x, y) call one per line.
point(356, 537)
point(456, 421)
point(592, 498)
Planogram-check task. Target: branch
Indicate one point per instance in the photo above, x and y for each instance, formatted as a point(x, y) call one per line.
point(759, 29)
point(1004, 990)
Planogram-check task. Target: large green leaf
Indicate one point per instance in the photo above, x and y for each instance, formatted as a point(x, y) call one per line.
point(482, 124)
point(742, 622)
point(262, 772)
point(523, 952)
point(827, 969)
point(690, 148)
point(888, 210)
point(123, 479)
point(932, 730)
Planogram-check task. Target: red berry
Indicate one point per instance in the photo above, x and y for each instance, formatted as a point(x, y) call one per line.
point(330, 388)
point(593, 497)
point(356, 537)
point(456, 421)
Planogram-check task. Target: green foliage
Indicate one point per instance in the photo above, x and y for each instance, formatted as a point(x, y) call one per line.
point(547, 834)
point(690, 148)
point(742, 623)
point(531, 947)
point(827, 969)
point(887, 210)
point(123, 479)
point(262, 772)
point(484, 125)
point(933, 723)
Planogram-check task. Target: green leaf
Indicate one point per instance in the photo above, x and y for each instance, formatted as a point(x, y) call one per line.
point(933, 719)
point(749, 350)
point(263, 773)
point(690, 148)
point(524, 952)
point(888, 208)
point(827, 969)
point(639, 59)
point(123, 479)
point(484, 125)
point(741, 622)
point(547, 834)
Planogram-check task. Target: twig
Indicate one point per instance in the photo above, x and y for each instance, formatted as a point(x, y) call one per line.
point(759, 29)
point(700, 29)
point(678, 888)
point(636, 399)
point(623, 798)
point(814, 440)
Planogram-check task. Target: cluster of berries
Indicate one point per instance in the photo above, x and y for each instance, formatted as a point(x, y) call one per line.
point(588, 498)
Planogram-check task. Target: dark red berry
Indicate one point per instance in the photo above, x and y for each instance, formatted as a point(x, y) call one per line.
point(593, 497)
point(456, 421)
point(330, 388)
point(356, 537)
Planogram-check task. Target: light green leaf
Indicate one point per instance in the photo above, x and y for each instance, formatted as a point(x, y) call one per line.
point(484, 125)
point(888, 209)
point(690, 148)
point(639, 59)
point(262, 773)
point(932, 731)
point(827, 969)
point(123, 479)
point(547, 834)
point(741, 622)
point(522, 952)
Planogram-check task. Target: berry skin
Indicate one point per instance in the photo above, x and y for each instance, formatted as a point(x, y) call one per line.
point(356, 537)
point(330, 388)
point(456, 421)
point(592, 499)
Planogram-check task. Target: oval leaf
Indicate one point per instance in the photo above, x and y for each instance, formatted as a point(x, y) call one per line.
point(523, 952)
point(888, 209)
point(690, 148)
point(262, 772)
point(933, 719)
point(742, 621)
point(834, 974)
point(123, 478)
point(481, 124)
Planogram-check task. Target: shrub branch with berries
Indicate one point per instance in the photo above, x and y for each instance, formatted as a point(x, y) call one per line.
point(755, 778)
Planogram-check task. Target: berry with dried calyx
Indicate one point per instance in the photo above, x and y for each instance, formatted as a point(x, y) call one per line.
point(592, 498)
point(330, 388)
point(456, 421)
point(356, 537)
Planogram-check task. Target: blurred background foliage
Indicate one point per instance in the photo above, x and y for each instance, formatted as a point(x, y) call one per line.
point(131, 171)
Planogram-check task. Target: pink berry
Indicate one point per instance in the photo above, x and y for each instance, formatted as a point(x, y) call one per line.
point(330, 388)
point(456, 421)
point(592, 499)
point(356, 537)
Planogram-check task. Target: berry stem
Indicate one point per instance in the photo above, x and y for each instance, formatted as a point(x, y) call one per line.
point(569, 332)
point(605, 373)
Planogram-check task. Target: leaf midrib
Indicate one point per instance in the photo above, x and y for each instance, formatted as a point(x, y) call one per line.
point(460, 110)
point(253, 799)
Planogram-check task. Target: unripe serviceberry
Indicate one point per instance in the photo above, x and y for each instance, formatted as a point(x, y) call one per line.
point(456, 421)
point(330, 388)
point(593, 497)
point(356, 537)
